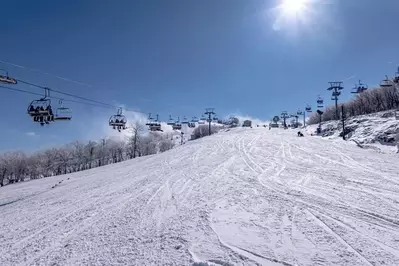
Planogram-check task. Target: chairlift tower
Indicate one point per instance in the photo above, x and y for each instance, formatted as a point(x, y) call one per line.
point(209, 112)
point(284, 116)
point(336, 87)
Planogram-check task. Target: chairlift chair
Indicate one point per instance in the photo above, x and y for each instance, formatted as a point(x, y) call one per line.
point(170, 122)
point(320, 102)
point(63, 113)
point(154, 124)
point(359, 88)
point(5, 79)
point(176, 126)
point(185, 121)
point(39, 107)
point(202, 120)
point(155, 127)
point(118, 121)
point(150, 120)
point(308, 108)
point(195, 119)
point(386, 83)
point(41, 110)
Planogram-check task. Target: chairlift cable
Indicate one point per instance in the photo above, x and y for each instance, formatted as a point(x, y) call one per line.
point(78, 97)
point(53, 97)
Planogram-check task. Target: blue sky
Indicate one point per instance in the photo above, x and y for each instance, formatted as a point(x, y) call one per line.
point(178, 57)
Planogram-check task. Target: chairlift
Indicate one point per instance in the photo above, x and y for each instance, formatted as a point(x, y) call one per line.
point(149, 121)
point(299, 112)
point(386, 83)
point(308, 108)
point(202, 120)
point(185, 121)
point(5, 79)
point(41, 110)
point(170, 122)
point(177, 125)
point(359, 88)
point(118, 121)
point(153, 124)
point(63, 113)
point(195, 119)
point(320, 102)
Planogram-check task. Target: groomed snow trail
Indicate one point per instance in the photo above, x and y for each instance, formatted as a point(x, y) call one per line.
point(243, 197)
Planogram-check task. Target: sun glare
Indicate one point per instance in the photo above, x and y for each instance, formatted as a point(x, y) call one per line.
point(293, 7)
point(293, 14)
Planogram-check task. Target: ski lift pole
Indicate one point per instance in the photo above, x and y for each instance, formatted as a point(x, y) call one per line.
point(209, 112)
point(343, 122)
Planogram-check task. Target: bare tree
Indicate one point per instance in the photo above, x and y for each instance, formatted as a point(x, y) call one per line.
point(134, 139)
point(89, 150)
point(370, 101)
point(77, 156)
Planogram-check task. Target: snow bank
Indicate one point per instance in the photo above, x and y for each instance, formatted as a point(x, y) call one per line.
point(379, 131)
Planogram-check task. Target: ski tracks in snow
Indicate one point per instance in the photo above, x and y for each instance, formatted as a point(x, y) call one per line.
point(244, 197)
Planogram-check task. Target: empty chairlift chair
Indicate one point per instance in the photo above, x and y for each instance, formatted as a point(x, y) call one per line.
point(185, 121)
point(63, 113)
point(194, 119)
point(171, 121)
point(386, 83)
point(202, 120)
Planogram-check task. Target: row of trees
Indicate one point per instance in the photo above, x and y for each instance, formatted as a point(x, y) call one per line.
point(370, 101)
point(17, 166)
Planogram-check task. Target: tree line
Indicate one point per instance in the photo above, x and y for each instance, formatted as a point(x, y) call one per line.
point(17, 166)
point(367, 102)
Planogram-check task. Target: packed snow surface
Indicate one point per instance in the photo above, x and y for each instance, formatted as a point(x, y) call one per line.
point(243, 197)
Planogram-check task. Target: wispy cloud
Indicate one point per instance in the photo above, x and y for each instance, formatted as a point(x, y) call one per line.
point(349, 78)
point(31, 134)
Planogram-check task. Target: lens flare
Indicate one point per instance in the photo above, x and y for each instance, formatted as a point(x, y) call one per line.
point(293, 13)
point(294, 7)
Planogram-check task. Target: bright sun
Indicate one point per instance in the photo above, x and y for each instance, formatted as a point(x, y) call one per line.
point(294, 13)
point(293, 7)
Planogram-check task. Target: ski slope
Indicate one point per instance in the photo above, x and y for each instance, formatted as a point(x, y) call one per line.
point(243, 197)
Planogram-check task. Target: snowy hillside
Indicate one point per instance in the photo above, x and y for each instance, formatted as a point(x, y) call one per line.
point(242, 197)
point(377, 131)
